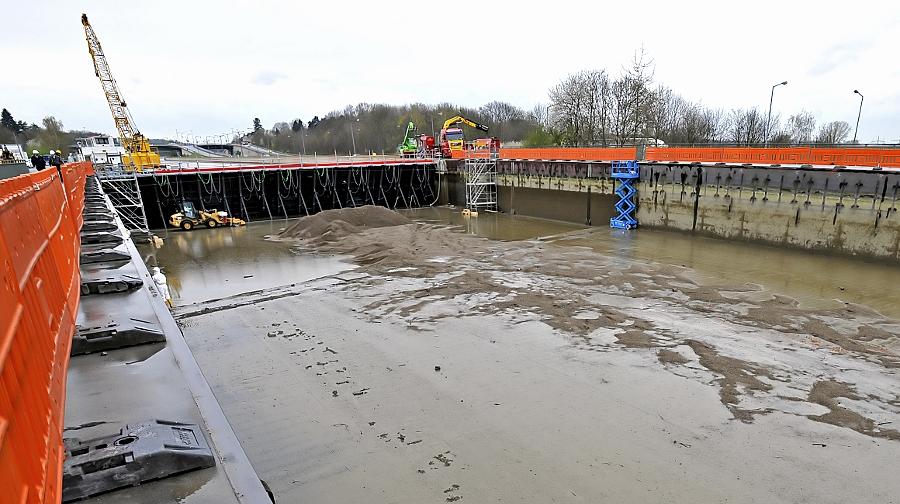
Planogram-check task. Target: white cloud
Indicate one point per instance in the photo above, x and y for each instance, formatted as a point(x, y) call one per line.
point(268, 77)
point(211, 68)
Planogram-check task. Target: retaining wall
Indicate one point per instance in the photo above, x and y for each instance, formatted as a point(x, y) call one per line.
point(841, 210)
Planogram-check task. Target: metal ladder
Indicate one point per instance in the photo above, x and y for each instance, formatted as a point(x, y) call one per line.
point(122, 188)
point(480, 171)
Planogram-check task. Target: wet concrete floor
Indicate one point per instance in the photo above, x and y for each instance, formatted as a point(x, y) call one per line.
point(509, 373)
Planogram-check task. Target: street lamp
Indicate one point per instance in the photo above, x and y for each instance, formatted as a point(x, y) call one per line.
point(353, 138)
point(433, 131)
point(303, 137)
point(769, 118)
point(858, 115)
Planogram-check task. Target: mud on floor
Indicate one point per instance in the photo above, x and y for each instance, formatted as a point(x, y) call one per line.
point(760, 349)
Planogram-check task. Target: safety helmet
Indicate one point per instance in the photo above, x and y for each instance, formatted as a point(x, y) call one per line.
point(35, 151)
point(51, 151)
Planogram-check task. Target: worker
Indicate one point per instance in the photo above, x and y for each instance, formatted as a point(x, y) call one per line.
point(6, 156)
point(56, 161)
point(162, 285)
point(37, 161)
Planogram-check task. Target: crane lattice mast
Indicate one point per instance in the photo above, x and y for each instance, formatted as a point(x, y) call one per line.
point(135, 144)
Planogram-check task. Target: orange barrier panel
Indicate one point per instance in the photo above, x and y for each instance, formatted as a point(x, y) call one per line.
point(571, 153)
point(846, 156)
point(849, 156)
point(39, 258)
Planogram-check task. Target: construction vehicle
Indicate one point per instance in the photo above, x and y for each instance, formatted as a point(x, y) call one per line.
point(409, 146)
point(138, 155)
point(188, 217)
point(452, 138)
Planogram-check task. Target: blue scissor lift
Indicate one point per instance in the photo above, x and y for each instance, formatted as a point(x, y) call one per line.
point(627, 172)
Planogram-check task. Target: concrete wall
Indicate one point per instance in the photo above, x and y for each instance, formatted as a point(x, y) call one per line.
point(9, 170)
point(843, 211)
point(836, 211)
point(583, 201)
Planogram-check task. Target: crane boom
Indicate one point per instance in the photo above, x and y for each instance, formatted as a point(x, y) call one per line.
point(137, 147)
point(460, 119)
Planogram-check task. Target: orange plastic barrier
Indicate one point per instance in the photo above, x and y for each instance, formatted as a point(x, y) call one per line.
point(849, 156)
point(572, 153)
point(40, 221)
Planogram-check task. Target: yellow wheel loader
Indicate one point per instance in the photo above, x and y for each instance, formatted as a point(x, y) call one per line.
point(188, 218)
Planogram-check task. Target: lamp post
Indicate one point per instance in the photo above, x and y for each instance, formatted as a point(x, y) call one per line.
point(858, 115)
point(769, 118)
point(303, 138)
point(352, 137)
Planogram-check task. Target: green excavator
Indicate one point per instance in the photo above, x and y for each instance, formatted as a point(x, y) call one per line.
point(408, 146)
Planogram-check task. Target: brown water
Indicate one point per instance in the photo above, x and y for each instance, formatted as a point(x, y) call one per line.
point(817, 280)
point(204, 264)
point(212, 263)
point(491, 225)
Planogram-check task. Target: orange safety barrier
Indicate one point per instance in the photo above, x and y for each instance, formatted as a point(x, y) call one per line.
point(571, 153)
point(40, 221)
point(850, 156)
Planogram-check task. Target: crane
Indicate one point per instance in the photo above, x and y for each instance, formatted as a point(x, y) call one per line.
point(137, 147)
point(451, 138)
point(460, 119)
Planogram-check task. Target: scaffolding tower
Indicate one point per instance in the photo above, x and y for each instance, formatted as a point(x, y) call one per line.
point(121, 186)
point(480, 172)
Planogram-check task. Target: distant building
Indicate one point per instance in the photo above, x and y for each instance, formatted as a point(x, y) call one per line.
point(98, 149)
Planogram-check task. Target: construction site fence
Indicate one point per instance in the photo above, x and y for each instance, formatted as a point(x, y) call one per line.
point(838, 156)
point(40, 224)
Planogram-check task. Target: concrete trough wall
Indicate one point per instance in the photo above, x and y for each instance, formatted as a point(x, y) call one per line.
point(852, 212)
point(559, 191)
point(844, 211)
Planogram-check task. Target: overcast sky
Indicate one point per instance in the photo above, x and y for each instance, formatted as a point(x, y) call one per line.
point(210, 67)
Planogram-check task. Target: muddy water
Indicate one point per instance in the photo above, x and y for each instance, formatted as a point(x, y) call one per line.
point(203, 264)
point(537, 371)
point(212, 263)
point(816, 280)
point(493, 225)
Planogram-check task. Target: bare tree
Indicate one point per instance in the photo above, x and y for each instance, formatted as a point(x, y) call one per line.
point(638, 77)
point(658, 114)
point(567, 108)
point(538, 114)
point(833, 132)
point(747, 127)
point(499, 113)
point(801, 127)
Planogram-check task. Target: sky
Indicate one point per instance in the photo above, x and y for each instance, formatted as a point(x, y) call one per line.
point(208, 68)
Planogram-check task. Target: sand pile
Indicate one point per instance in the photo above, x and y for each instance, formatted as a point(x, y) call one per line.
point(331, 225)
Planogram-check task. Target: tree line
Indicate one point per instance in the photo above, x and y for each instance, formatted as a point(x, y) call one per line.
point(50, 134)
point(377, 128)
point(586, 108)
point(595, 107)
